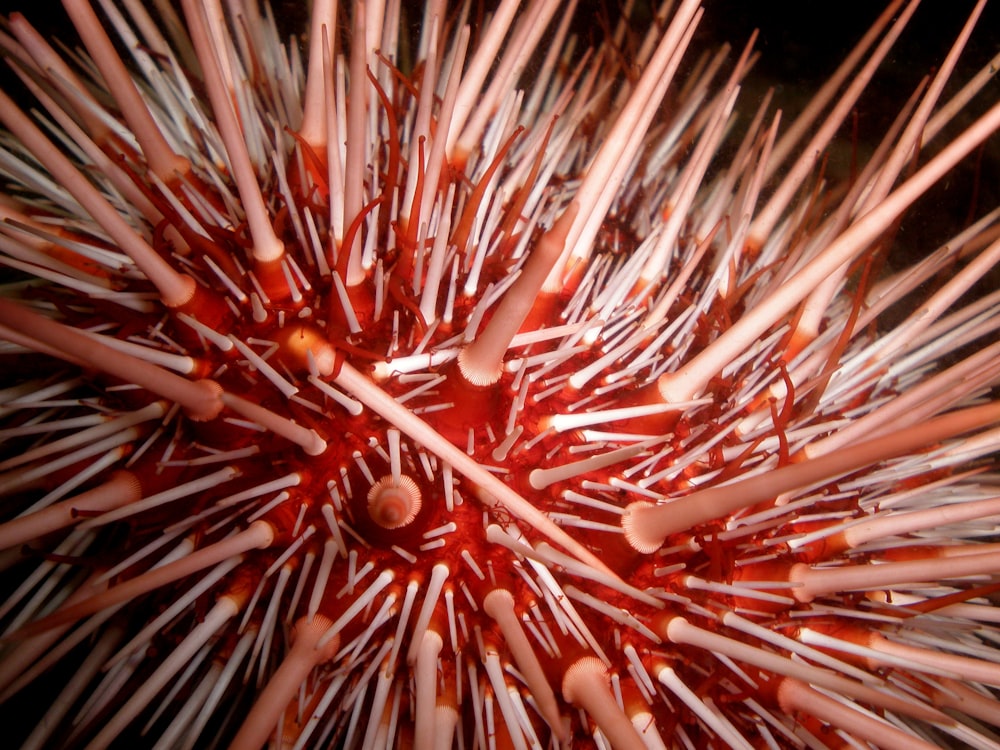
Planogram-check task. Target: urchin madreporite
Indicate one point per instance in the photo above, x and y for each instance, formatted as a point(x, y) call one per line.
point(505, 383)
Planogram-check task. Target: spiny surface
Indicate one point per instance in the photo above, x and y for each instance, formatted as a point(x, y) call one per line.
point(361, 402)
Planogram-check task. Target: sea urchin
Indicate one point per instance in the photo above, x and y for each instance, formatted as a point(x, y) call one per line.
point(364, 395)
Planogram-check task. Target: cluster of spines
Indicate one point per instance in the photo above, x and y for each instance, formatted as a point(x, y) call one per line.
point(654, 397)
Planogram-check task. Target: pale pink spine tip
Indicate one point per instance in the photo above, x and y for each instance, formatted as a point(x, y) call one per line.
point(394, 504)
point(481, 362)
point(586, 684)
point(291, 675)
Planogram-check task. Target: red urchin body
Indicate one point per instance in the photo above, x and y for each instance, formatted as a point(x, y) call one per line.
point(391, 422)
